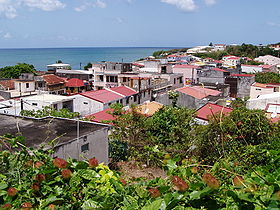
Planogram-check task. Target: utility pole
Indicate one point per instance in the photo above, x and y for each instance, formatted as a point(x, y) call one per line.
point(139, 90)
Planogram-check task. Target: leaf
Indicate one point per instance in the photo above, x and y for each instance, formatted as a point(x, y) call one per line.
point(156, 205)
point(88, 174)
point(3, 186)
point(50, 200)
point(90, 204)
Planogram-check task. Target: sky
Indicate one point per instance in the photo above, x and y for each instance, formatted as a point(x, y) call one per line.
point(137, 23)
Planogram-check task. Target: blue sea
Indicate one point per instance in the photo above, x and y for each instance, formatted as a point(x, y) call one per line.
point(41, 57)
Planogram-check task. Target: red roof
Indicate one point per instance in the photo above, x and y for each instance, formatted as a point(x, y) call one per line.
point(234, 58)
point(217, 61)
point(126, 91)
point(266, 66)
point(74, 82)
point(198, 92)
point(186, 66)
point(52, 79)
point(101, 116)
point(209, 110)
point(103, 96)
point(172, 56)
point(217, 69)
point(242, 75)
point(8, 84)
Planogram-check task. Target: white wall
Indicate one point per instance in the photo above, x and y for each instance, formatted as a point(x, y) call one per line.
point(251, 69)
point(86, 106)
point(257, 91)
point(21, 86)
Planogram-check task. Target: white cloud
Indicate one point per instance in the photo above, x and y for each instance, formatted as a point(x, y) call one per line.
point(185, 5)
point(273, 24)
point(7, 36)
point(46, 5)
point(8, 8)
point(210, 2)
point(88, 4)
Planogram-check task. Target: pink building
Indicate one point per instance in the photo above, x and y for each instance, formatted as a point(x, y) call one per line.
point(189, 72)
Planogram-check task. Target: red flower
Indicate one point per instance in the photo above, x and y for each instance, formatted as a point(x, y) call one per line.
point(40, 177)
point(38, 164)
point(60, 163)
point(179, 184)
point(66, 173)
point(93, 162)
point(238, 181)
point(35, 187)
point(154, 192)
point(211, 181)
point(7, 206)
point(123, 181)
point(26, 205)
point(12, 191)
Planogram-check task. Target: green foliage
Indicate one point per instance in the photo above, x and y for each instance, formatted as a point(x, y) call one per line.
point(86, 67)
point(252, 62)
point(31, 176)
point(49, 111)
point(15, 71)
point(164, 53)
point(267, 77)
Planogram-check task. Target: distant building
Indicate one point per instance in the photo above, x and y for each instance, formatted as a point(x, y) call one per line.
point(209, 110)
point(56, 66)
point(57, 102)
point(231, 61)
point(211, 76)
point(258, 89)
point(78, 140)
point(189, 72)
point(51, 84)
point(240, 84)
point(268, 59)
point(75, 85)
point(251, 69)
point(263, 100)
point(77, 74)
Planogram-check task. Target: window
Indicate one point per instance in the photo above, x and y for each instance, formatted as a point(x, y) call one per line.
point(135, 98)
point(85, 102)
point(174, 81)
point(101, 78)
point(85, 147)
point(121, 101)
point(27, 85)
point(85, 138)
point(34, 104)
point(127, 100)
point(258, 89)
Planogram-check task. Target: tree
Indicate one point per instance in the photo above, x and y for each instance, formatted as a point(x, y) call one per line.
point(89, 65)
point(211, 44)
point(15, 71)
point(59, 61)
point(267, 77)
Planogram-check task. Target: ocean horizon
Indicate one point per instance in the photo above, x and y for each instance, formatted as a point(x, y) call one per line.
point(41, 57)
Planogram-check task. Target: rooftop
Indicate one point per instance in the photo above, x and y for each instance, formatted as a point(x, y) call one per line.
point(52, 79)
point(124, 90)
point(209, 110)
point(101, 116)
point(65, 71)
point(217, 69)
point(39, 131)
point(103, 96)
point(186, 66)
point(242, 75)
point(149, 108)
point(51, 98)
point(74, 82)
point(8, 84)
point(198, 92)
point(58, 65)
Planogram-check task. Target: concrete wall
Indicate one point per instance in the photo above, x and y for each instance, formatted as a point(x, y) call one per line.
point(251, 69)
point(257, 91)
point(22, 86)
point(97, 144)
point(244, 86)
point(86, 106)
point(211, 76)
point(188, 74)
point(262, 103)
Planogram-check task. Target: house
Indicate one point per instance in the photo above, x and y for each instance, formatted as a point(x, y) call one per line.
point(251, 69)
point(192, 97)
point(268, 60)
point(273, 112)
point(209, 110)
point(79, 74)
point(53, 67)
point(258, 89)
point(263, 100)
point(240, 84)
point(189, 72)
point(219, 47)
point(269, 68)
point(7, 84)
point(211, 76)
point(75, 85)
point(71, 138)
point(51, 84)
point(57, 102)
point(231, 61)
